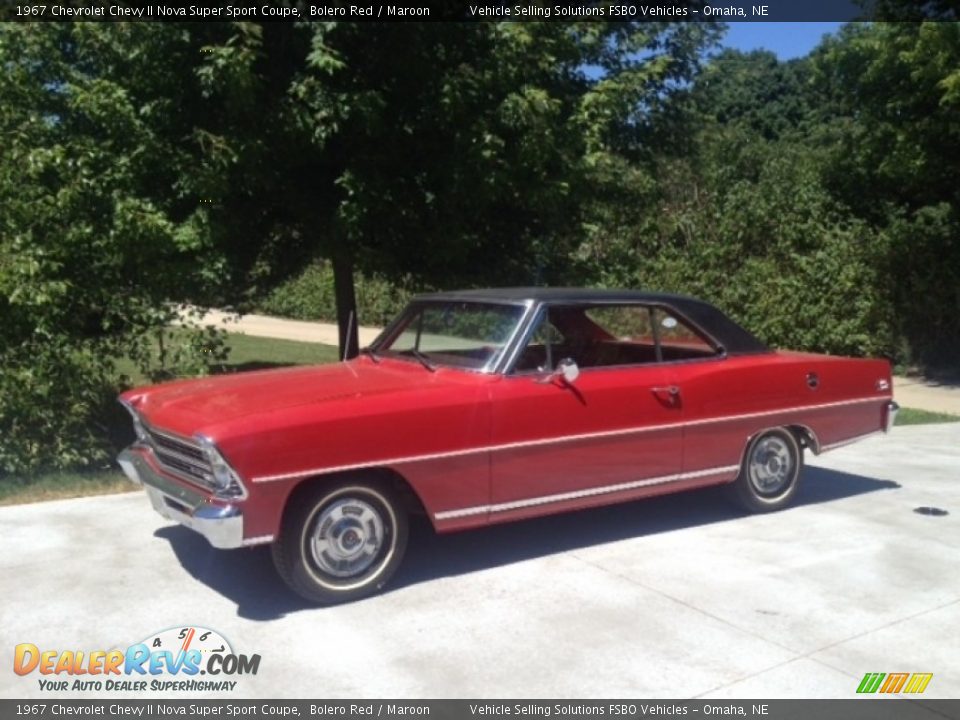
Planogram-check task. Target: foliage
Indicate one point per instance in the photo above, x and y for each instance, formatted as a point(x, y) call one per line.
point(814, 199)
point(48, 395)
point(754, 91)
point(150, 164)
point(183, 349)
point(450, 153)
point(750, 228)
point(87, 256)
point(247, 352)
point(894, 92)
point(310, 296)
point(923, 269)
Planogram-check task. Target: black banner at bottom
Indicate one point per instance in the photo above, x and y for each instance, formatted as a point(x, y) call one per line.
point(874, 708)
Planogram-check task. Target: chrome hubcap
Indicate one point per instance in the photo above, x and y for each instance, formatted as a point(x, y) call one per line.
point(771, 465)
point(347, 537)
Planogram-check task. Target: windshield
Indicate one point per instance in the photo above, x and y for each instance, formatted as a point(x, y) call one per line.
point(459, 334)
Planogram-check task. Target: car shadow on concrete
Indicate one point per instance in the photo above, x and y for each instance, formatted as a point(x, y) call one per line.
point(248, 578)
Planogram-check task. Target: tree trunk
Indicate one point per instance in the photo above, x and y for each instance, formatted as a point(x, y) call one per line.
point(346, 298)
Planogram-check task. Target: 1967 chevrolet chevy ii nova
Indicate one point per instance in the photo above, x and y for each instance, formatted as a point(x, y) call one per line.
point(484, 406)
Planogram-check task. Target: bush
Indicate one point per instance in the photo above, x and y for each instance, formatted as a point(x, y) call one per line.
point(53, 403)
point(923, 272)
point(58, 398)
point(310, 296)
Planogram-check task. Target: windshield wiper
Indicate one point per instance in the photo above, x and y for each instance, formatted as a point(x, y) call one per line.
point(372, 353)
point(423, 360)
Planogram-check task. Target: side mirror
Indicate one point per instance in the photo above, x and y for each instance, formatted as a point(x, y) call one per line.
point(567, 370)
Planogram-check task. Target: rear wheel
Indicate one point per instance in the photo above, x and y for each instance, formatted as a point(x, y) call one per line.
point(341, 542)
point(770, 473)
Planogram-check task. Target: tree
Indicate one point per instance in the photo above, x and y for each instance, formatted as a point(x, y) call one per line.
point(894, 89)
point(736, 210)
point(87, 255)
point(150, 163)
point(461, 153)
point(754, 90)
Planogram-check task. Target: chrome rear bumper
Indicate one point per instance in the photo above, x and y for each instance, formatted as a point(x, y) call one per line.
point(221, 525)
point(891, 415)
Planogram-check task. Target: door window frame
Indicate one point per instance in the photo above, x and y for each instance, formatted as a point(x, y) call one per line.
point(542, 312)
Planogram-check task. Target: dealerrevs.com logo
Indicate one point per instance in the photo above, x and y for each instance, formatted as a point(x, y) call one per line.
point(177, 659)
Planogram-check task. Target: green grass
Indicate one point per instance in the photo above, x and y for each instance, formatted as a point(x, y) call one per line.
point(249, 352)
point(246, 353)
point(65, 484)
point(913, 416)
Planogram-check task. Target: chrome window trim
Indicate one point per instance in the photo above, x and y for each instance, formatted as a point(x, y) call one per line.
point(533, 322)
point(516, 340)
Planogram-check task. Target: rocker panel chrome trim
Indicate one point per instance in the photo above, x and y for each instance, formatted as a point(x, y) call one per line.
point(577, 494)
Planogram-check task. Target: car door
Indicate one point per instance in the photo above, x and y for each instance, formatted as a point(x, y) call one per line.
point(714, 391)
point(613, 432)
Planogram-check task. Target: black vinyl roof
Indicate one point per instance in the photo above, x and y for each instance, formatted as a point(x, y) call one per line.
point(733, 338)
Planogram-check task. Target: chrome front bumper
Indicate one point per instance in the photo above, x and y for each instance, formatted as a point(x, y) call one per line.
point(221, 525)
point(891, 415)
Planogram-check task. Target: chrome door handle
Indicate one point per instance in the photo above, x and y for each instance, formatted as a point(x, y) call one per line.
point(667, 393)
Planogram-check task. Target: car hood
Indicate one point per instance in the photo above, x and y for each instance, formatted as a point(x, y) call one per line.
point(188, 406)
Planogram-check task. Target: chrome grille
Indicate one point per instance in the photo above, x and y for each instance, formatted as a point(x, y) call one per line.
point(181, 457)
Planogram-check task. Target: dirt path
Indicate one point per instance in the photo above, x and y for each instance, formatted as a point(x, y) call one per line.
point(927, 395)
point(283, 329)
point(909, 392)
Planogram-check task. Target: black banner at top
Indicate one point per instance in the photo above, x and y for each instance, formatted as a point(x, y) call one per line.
point(477, 11)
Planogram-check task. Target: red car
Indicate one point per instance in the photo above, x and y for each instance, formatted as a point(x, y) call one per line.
point(484, 406)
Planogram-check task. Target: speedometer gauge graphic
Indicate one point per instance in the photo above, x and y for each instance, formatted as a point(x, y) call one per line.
point(183, 639)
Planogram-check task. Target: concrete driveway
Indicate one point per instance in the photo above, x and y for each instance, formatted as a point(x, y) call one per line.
point(675, 597)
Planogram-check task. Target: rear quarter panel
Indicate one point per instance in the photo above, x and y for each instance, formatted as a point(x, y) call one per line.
point(728, 401)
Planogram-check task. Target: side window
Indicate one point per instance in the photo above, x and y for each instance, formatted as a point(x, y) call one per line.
point(626, 323)
point(610, 335)
point(592, 336)
point(679, 341)
point(617, 335)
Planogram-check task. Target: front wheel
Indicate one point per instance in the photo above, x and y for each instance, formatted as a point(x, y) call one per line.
point(341, 542)
point(770, 473)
